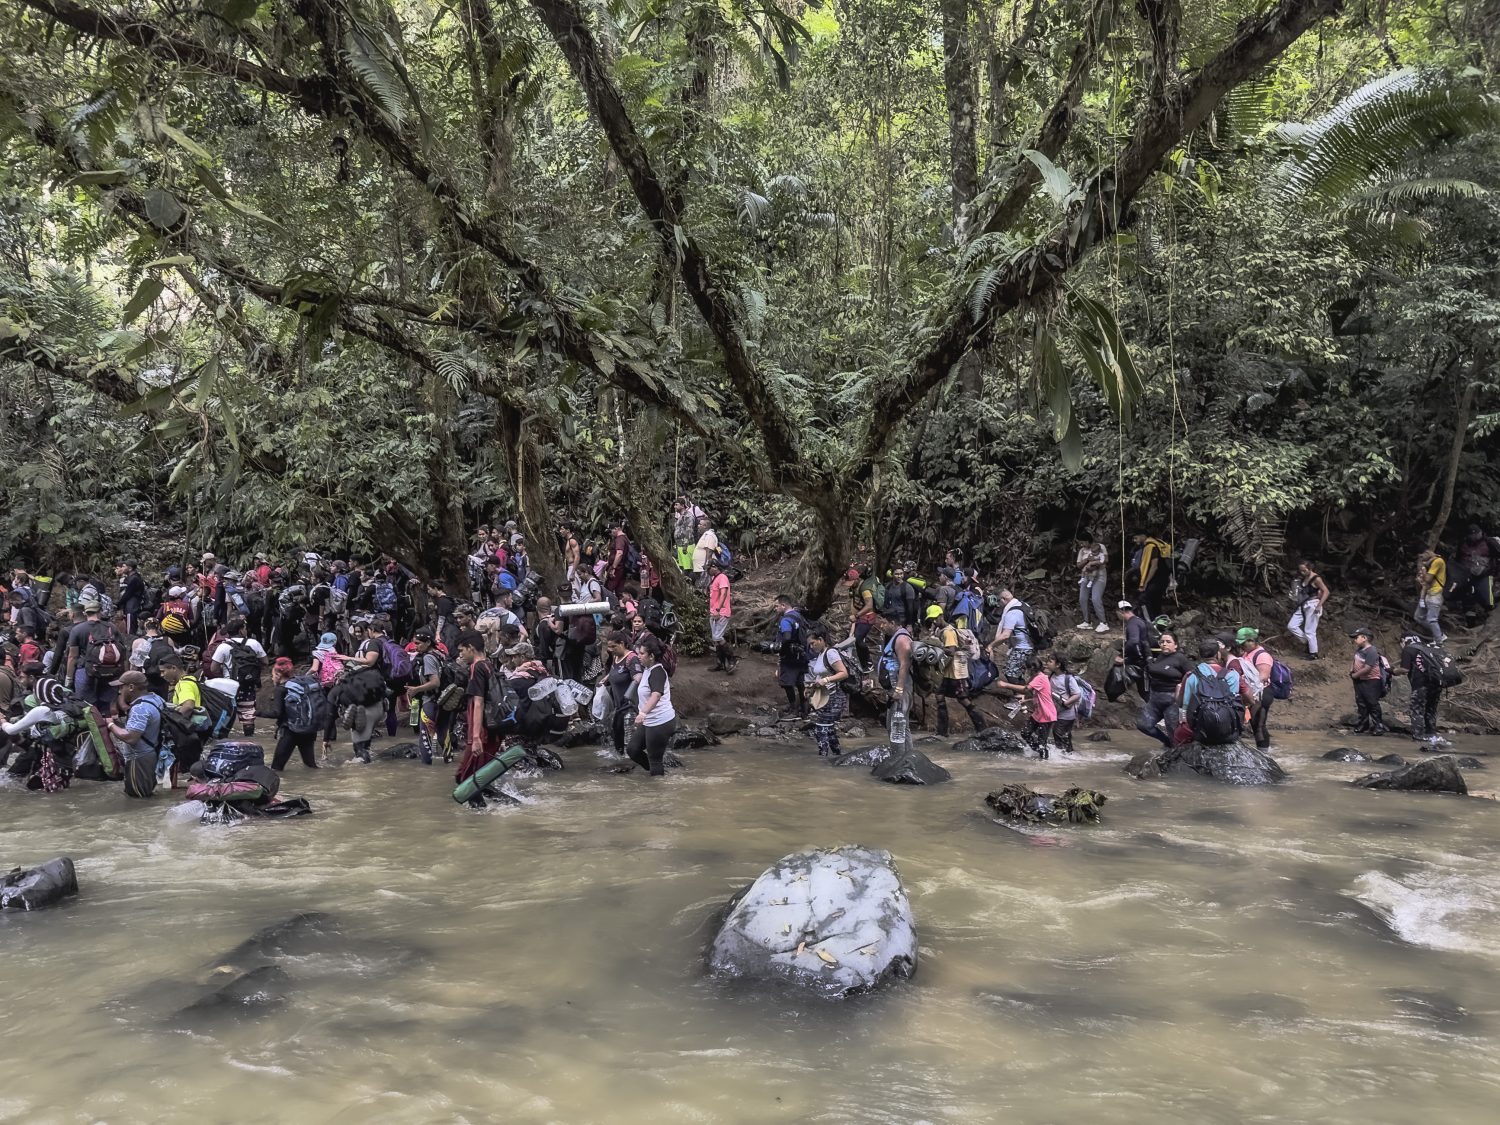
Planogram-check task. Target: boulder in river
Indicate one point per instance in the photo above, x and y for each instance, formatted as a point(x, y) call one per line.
point(1072, 806)
point(910, 767)
point(690, 739)
point(1346, 754)
point(724, 725)
point(1391, 760)
point(1430, 775)
point(1099, 736)
point(1469, 763)
point(1234, 763)
point(872, 756)
point(995, 740)
point(254, 993)
point(1143, 766)
point(36, 887)
point(586, 734)
point(835, 921)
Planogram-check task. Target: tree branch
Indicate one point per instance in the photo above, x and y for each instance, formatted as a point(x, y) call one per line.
point(1185, 107)
point(777, 430)
point(1053, 132)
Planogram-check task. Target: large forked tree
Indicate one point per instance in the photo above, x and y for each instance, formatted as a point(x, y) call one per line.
point(355, 67)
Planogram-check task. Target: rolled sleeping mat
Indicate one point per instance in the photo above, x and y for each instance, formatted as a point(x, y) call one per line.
point(487, 774)
point(579, 609)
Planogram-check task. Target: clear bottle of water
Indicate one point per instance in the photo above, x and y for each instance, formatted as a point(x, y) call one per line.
point(898, 728)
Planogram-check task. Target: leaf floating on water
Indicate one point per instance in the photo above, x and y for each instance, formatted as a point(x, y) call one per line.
point(801, 948)
point(826, 957)
point(787, 928)
point(869, 950)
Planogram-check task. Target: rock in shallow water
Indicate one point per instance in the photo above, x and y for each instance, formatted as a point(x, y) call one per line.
point(36, 887)
point(871, 757)
point(835, 921)
point(995, 740)
point(1235, 763)
point(1345, 754)
point(1431, 775)
point(910, 767)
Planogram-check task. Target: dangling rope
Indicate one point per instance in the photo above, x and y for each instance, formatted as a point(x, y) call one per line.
point(1172, 449)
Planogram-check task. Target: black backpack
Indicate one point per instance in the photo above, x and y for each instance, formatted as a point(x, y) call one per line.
point(1438, 665)
point(247, 664)
point(1214, 715)
point(1038, 627)
point(500, 703)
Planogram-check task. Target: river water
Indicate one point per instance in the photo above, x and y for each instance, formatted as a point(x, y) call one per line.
point(1309, 952)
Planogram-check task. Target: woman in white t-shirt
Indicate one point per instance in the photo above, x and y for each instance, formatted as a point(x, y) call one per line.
point(655, 720)
point(825, 682)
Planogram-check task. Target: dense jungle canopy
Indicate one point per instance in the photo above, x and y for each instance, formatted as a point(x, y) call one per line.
point(867, 272)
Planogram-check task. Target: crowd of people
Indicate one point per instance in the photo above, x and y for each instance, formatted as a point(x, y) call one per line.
point(308, 647)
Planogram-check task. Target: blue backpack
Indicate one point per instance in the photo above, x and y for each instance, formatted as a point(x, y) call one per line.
point(385, 596)
point(725, 556)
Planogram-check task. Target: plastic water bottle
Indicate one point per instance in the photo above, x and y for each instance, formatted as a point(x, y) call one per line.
point(898, 728)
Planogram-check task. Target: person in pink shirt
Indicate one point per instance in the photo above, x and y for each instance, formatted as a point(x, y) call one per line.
point(719, 609)
point(1038, 689)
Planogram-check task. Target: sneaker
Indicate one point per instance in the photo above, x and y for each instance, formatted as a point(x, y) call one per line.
point(1439, 740)
point(1101, 628)
point(1084, 626)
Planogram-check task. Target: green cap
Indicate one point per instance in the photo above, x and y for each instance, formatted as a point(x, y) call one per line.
point(1246, 634)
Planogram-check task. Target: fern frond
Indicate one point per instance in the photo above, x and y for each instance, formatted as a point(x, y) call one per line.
point(376, 74)
point(1375, 129)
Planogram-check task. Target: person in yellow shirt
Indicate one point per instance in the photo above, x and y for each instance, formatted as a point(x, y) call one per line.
point(1432, 580)
point(186, 696)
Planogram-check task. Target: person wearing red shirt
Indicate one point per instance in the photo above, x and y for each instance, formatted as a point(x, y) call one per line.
point(719, 610)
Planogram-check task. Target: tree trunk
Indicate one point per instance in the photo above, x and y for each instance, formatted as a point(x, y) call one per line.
point(962, 97)
point(1455, 452)
point(523, 466)
point(827, 557)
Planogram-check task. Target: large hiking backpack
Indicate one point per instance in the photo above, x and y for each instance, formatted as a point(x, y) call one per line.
point(1438, 664)
point(396, 661)
point(877, 593)
point(1214, 714)
point(306, 706)
point(500, 703)
point(1385, 677)
point(1038, 627)
point(247, 665)
point(384, 598)
point(102, 655)
point(927, 664)
point(217, 713)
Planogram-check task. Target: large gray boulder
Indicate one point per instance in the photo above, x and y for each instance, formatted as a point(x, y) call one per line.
point(1234, 763)
point(1430, 775)
point(36, 887)
point(835, 921)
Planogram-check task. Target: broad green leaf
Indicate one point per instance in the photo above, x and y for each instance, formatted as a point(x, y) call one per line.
point(162, 208)
point(149, 289)
point(185, 142)
point(1056, 181)
point(101, 177)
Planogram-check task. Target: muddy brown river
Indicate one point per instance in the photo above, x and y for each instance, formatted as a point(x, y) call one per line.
point(1304, 953)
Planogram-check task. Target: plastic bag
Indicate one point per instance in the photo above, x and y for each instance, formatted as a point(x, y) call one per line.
point(602, 704)
point(1116, 684)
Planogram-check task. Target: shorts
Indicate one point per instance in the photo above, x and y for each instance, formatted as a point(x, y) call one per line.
point(717, 628)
